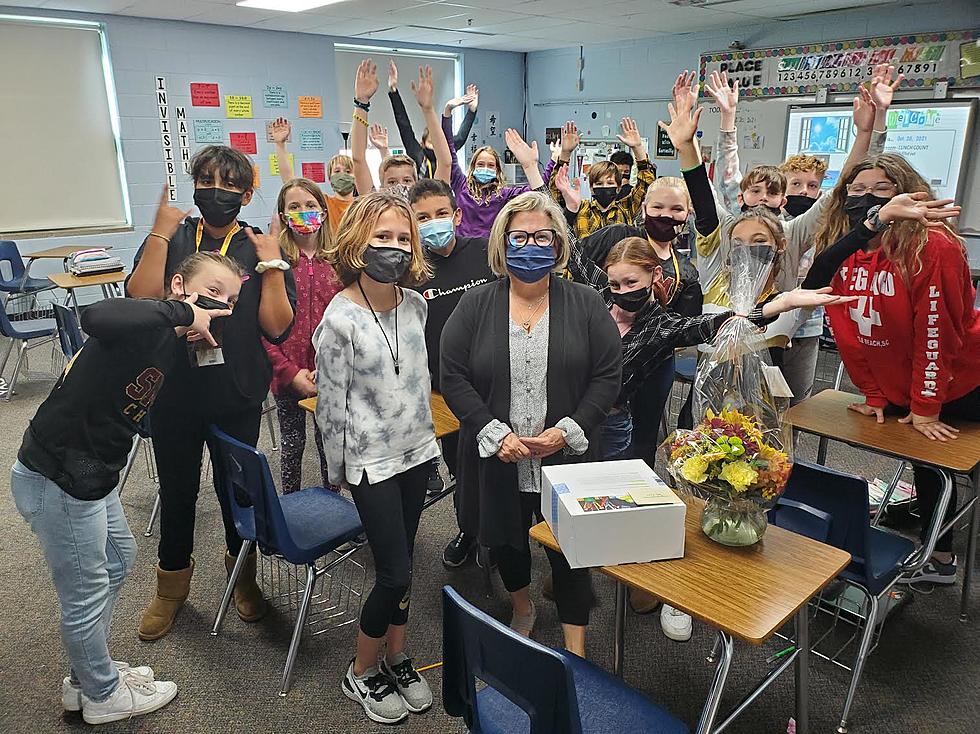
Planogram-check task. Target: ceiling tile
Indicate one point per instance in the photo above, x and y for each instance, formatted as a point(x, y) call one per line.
point(174, 9)
point(89, 6)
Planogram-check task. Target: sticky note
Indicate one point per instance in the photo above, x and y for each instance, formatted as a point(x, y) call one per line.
point(204, 95)
point(209, 131)
point(255, 176)
point(274, 95)
point(310, 106)
point(315, 172)
point(311, 140)
point(238, 106)
point(245, 142)
point(274, 163)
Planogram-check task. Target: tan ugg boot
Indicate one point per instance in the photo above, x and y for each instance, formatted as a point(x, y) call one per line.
point(248, 596)
point(172, 590)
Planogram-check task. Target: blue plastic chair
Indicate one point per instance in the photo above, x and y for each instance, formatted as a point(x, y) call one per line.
point(23, 332)
point(878, 557)
point(801, 519)
point(69, 332)
point(18, 283)
point(302, 527)
point(532, 688)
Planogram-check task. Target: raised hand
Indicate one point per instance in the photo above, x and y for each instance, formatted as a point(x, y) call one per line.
point(570, 189)
point(379, 136)
point(631, 135)
point(725, 96)
point(683, 124)
point(423, 89)
point(168, 217)
point(883, 86)
point(281, 130)
point(526, 155)
point(569, 139)
point(392, 75)
point(685, 90)
point(473, 92)
point(864, 110)
point(456, 102)
point(366, 81)
point(266, 245)
point(918, 207)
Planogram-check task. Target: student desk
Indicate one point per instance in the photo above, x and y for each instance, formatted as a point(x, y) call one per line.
point(745, 593)
point(55, 253)
point(108, 281)
point(826, 415)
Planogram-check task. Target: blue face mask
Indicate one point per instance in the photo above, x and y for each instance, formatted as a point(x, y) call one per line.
point(530, 263)
point(484, 175)
point(436, 234)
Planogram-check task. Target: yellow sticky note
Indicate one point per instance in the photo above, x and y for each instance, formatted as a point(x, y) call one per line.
point(238, 105)
point(274, 163)
point(310, 106)
point(255, 176)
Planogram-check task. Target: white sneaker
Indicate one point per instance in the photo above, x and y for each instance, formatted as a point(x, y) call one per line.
point(135, 696)
point(676, 624)
point(71, 693)
point(376, 693)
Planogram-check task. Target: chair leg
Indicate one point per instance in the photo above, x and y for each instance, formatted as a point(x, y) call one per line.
point(840, 375)
point(866, 636)
point(13, 377)
point(271, 423)
point(6, 354)
point(130, 460)
point(301, 615)
point(153, 517)
point(230, 588)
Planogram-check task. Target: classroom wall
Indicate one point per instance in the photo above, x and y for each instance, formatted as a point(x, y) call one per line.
point(241, 61)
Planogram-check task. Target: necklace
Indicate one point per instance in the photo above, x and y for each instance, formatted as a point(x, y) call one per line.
point(394, 352)
point(531, 310)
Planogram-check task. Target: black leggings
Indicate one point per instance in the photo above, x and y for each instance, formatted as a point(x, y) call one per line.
point(390, 512)
point(927, 483)
point(573, 586)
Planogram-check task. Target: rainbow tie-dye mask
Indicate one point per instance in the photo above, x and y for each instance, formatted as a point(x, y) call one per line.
point(305, 222)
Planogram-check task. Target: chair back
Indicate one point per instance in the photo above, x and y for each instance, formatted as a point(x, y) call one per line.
point(531, 676)
point(242, 473)
point(69, 333)
point(10, 254)
point(801, 519)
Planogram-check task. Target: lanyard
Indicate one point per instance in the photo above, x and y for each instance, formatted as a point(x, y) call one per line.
point(677, 275)
point(224, 245)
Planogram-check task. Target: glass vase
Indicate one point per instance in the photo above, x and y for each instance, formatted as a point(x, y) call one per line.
point(733, 522)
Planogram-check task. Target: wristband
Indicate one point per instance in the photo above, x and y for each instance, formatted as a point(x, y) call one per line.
point(156, 234)
point(362, 120)
point(366, 106)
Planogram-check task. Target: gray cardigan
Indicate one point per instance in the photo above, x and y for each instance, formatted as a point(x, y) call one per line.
point(584, 372)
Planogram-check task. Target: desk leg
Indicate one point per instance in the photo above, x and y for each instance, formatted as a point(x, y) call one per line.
point(619, 640)
point(710, 711)
point(971, 548)
point(803, 671)
point(822, 451)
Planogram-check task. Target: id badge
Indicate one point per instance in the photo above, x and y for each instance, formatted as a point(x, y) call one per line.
point(209, 357)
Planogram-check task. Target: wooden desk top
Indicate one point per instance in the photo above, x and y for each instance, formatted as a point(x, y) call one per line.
point(443, 419)
point(826, 414)
point(747, 592)
point(60, 253)
point(69, 281)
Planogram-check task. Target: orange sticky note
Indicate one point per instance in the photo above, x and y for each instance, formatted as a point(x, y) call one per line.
point(310, 106)
point(255, 176)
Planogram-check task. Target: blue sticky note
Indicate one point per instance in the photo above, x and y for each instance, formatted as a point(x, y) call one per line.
point(209, 131)
point(556, 490)
point(311, 140)
point(274, 95)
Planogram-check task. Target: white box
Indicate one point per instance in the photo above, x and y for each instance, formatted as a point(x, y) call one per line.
point(607, 533)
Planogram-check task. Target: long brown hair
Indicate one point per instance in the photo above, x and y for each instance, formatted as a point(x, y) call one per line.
point(639, 252)
point(902, 242)
point(356, 229)
point(483, 192)
point(286, 238)
point(764, 217)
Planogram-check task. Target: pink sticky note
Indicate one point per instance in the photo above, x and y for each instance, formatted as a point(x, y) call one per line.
point(315, 172)
point(245, 142)
point(204, 95)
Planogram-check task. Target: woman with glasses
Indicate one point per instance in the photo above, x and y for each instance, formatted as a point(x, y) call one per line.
point(911, 342)
point(531, 365)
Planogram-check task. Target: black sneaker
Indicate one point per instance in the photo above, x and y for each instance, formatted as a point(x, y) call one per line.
point(376, 693)
point(458, 551)
point(433, 484)
point(934, 572)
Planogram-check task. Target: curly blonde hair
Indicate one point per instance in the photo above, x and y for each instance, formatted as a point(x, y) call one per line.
point(356, 230)
point(804, 163)
point(532, 201)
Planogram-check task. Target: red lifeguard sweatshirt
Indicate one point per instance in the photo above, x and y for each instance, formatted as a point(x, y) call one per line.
point(909, 343)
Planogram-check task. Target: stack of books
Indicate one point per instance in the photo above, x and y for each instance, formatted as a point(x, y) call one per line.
point(93, 262)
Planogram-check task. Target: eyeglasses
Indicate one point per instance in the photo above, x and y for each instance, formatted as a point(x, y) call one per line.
point(884, 188)
point(541, 238)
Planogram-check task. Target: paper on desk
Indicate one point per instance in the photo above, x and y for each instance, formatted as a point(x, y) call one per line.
point(642, 489)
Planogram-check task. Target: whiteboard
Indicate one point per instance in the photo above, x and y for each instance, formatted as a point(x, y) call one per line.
point(57, 97)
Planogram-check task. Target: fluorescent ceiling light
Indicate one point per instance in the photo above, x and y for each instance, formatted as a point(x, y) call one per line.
point(287, 6)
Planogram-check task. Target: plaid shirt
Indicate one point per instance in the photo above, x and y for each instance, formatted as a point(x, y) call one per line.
point(591, 218)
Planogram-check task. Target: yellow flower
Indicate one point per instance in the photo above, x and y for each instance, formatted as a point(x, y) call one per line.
point(738, 474)
point(695, 469)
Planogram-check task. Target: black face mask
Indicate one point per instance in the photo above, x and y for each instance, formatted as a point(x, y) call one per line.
point(386, 264)
point(217, 324)
point(774, 210)
point(218, 206)
point(605, 195)
point(660, 229)
point(856, 207)
point(797, 204)
point(632, 301)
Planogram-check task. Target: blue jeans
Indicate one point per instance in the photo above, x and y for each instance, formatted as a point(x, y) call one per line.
point(89, 549)
point(617, 434)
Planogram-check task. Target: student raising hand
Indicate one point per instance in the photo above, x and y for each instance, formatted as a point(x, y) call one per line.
point(526, 155)
point(366, 81)
point(168, 217)
point(685, 90)
point(569, 140)
point(281, 130)
point(392, 76)
point(379, 136)
point(725, 96)
point(882, 86)
point(473, 92)
point(266, 245)
point(631, 134)
point(571, 189)
point(424, 89)
point(683, 128)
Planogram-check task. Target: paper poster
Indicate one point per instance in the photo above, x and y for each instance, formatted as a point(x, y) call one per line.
point(209, 131)
point(315, 172)
point(204, 95)
point(166, 136)
point(245, 142)
point(274, 95)
point(268, 133)
point(183, 138)
point(753, 141)
point(238, 106)
point(274, 163)
point(255, 176)
point(492, 125)
point(311, 140)
point(310, 106)
point(665, 148)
